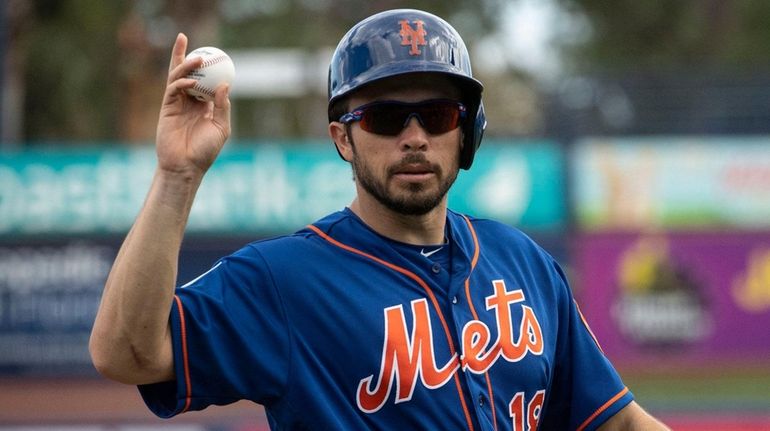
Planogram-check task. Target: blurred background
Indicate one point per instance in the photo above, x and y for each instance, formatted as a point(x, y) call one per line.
point(631, 139)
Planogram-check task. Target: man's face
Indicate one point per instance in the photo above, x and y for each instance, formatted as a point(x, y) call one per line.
point(412, 172)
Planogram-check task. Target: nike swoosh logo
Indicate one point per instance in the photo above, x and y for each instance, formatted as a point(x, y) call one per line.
point(429, 253)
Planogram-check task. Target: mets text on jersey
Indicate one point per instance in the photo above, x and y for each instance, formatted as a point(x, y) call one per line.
point(405, 357)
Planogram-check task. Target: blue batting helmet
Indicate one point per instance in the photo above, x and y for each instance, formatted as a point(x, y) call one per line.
point(402, 41)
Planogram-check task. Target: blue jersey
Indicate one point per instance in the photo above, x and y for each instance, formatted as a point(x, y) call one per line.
point(339, 328)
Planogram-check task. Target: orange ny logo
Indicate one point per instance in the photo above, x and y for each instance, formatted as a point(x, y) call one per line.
point(413, 37)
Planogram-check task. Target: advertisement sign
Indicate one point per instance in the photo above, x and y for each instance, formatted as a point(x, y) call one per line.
point(257, 188)
point(50, 291)
point(254, 188)
point(673, 183)
point(49, 294)
point(521, 184)
point(689, 297)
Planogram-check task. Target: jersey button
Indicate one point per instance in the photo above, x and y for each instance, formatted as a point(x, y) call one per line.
point(481, 400)
point(454, 300)
point(436, 268)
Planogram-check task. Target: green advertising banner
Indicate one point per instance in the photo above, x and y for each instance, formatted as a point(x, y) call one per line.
point(255, 188)
point(519, 183)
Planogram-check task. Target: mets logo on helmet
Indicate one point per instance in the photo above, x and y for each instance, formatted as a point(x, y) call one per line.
point(412, 36)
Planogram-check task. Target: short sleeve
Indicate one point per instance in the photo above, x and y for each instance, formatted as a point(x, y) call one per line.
point(230, 339)
point(586, 389)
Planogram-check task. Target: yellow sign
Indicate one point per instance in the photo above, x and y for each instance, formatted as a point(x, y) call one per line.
point(751, 289)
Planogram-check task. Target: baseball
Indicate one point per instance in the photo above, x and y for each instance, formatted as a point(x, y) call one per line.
point(217, 68)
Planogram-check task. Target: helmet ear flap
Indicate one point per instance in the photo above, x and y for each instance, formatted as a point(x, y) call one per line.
point(473, 132)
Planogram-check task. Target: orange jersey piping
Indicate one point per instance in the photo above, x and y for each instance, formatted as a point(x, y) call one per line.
point(601, 409)
point(185, 361)
point(474, 260)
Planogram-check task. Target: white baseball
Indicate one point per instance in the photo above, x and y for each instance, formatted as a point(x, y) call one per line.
point(217, 68)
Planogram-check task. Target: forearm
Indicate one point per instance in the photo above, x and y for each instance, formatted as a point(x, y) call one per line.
point(632, 418)
point(130, 341)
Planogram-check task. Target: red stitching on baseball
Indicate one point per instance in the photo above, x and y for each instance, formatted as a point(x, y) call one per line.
point(203, 90)
point(212, 61)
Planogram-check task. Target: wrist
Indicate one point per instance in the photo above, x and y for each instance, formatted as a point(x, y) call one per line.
point(178, 178)
point(176, 189)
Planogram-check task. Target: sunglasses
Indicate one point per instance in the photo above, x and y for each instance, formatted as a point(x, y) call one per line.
point(389, 117)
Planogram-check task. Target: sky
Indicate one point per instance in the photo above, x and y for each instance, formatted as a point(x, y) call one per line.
point(527, 39)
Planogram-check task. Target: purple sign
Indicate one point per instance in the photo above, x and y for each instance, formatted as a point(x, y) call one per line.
point(681, 297)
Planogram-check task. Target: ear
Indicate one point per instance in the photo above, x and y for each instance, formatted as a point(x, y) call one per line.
point(339, 134)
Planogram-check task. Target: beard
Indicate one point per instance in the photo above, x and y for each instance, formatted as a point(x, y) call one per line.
point(414, 200)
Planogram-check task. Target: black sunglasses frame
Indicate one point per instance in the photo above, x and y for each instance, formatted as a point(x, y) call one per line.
point(409, 110)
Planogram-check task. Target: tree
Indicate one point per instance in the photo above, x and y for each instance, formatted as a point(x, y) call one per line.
point(670, 34)
point(662, 67)
point(66, 59)
point(93, 71)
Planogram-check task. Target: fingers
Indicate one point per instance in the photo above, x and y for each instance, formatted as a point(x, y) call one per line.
point(178, 52)
point(179, 67)
point(221, 113)
point(176, 89)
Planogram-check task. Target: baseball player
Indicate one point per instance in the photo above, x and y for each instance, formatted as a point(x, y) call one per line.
point(394, 313)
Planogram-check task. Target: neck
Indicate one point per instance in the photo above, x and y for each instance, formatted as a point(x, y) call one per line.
point(410, 229)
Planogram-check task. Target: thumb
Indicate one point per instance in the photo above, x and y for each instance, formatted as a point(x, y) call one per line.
point(221, 113)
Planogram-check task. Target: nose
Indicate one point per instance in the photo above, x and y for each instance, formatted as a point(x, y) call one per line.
point(411, 116)
point(414, 136)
